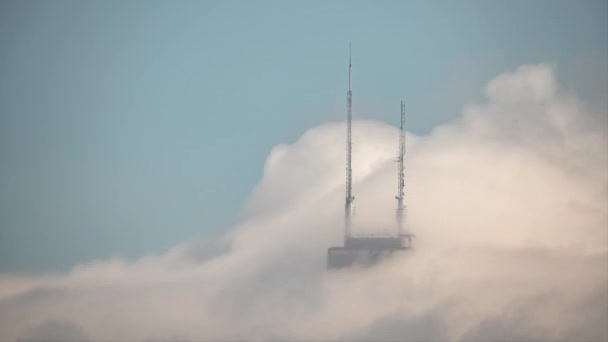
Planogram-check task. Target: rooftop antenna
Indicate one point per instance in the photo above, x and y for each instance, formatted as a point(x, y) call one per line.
point(401, 229)
point(349, 172)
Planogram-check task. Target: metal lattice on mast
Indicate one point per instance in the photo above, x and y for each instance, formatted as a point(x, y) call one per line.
point(401, 228)
point(349, 172)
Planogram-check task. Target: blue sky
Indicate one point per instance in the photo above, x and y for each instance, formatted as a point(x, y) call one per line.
point(128, 127)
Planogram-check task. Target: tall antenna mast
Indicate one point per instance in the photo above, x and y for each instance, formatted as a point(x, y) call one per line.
point(349, 171)
point(401, 176)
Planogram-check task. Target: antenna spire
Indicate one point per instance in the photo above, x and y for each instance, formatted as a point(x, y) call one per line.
point(349, 64)
point(349, 171)
point(401, 228)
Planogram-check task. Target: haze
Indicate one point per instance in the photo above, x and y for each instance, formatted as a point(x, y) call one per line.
point(154, 195)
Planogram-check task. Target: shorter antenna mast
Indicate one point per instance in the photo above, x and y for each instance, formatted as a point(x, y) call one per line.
point(401, 176)
point(349, 171)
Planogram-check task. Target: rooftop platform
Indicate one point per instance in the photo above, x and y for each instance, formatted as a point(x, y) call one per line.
point(373, 242)
point(366, 250)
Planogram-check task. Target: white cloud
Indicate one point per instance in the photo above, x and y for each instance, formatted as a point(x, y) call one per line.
point(509, 204)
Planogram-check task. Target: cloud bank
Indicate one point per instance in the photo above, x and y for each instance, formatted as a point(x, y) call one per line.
point(509, 205)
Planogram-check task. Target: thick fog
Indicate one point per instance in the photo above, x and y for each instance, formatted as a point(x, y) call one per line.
point(509, 204)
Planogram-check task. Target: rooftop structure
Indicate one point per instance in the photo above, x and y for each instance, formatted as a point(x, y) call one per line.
point(370, 249)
